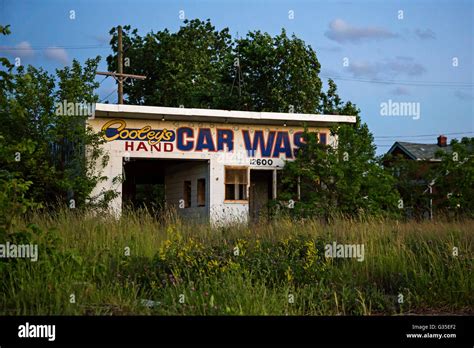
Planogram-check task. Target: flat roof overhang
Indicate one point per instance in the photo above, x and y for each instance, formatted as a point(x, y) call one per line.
point(217, 116)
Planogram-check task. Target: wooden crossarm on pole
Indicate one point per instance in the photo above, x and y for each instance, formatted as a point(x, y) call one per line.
point(119, 76)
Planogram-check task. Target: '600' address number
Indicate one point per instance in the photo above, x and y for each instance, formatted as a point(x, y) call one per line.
point(261, 162)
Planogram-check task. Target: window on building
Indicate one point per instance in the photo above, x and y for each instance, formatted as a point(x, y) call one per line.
point(201, 192)
point(236, 180)
point(323, 138)
point(187, 194)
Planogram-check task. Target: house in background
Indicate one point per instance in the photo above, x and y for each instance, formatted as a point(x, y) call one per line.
point(412, 163)
point(420, 152)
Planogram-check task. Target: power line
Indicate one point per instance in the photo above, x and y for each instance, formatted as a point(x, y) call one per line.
point(108, 95)
point(119, 76)
point(401, 82)
point(380, 81)
point(40, 48)
point(420, 135)
point(102, 80)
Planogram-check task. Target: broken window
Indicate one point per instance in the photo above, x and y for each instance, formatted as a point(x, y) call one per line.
point(236, 181)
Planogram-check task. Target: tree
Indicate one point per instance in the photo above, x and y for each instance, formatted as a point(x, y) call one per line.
point(12, 186)
point(43, 151)
point(182, 68)
point(280, 74)
point(346, 178)
point(331, 103)
point(198, 67)
point(453, 179)
point(450, 177)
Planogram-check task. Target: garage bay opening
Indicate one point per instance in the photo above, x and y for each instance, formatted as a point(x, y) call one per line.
point(159, 184)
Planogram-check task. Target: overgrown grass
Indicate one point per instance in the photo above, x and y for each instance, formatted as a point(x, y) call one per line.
point(274, 268)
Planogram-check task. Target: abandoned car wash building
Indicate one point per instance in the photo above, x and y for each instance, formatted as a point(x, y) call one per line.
point(215, 165)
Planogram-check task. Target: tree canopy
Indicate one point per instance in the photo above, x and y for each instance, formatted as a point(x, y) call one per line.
point(199, 66)
point(42, 152)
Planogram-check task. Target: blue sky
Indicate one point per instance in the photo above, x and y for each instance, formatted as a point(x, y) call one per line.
point(375, 53)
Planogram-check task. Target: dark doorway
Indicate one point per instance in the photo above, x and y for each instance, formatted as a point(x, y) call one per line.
point(260, 193)
point(144, 184)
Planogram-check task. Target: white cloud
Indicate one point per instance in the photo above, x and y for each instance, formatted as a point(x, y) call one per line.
point(393, 67)
point(57, 54)
point(22, 50)
point(426, 34)
point(341, 31)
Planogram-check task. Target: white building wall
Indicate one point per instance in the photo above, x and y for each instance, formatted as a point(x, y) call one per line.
point(212, 168)
point(222, 211)
point(112, 174)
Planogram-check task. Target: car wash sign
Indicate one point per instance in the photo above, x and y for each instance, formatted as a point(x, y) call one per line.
point(267, 143)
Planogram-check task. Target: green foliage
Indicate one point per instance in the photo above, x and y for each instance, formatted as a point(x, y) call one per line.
point(280, 74)
point(85, 256)
point(196, 67)
point(297, 261)
point(12, 201)
point(182, 68)
point(40, 147)
point(450, 175)
point(343, 179)
point(5, 72)
point(331, 103)
point(412, 184)
point(454, 179)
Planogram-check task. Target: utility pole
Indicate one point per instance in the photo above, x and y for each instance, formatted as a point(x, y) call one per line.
point(119, 76)
point(120, 63)
point(238, 76)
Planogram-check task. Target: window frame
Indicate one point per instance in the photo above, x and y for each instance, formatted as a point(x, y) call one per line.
point(246, 185)
point(200, 203)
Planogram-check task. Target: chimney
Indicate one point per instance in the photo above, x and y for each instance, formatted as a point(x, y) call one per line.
point(442, 141)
